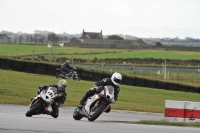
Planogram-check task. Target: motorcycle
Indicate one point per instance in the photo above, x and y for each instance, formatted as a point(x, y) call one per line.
point(72, 74)
point(95, 105)
point(41, 102)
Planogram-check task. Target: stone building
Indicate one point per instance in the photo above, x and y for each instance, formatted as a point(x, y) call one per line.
point(91, 35)
point(95, 40)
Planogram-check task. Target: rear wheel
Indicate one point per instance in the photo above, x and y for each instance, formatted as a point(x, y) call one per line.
point(96, 112)
point(33, 108)
point(76, 114)
point(57, 74)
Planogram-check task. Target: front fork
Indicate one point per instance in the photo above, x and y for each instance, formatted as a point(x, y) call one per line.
point(37, 98)
point(97, 103)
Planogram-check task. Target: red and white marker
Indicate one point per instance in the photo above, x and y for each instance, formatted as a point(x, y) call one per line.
point(182, 111)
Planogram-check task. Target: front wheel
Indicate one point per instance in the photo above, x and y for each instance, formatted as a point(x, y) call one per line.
point(33, 108)
point(76, 114)
point(96, 112)
point(76, 77)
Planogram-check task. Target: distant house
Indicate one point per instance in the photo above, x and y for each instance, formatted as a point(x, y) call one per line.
point(95, 40)
point(141, 42)
point(91, 35)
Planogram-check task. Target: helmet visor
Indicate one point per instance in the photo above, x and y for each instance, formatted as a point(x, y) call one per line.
point(117, 80)
point(62, 87)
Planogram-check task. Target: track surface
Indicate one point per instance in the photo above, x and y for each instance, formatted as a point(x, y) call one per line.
point(13, 120)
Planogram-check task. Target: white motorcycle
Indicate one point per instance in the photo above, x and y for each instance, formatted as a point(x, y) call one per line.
point(42, 101)
point(95, 105)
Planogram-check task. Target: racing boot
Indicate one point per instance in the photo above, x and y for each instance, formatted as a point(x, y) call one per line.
point(85, 97)
point(33, 98)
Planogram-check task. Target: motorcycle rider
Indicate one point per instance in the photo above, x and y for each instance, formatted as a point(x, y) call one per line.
point(61, 86)
point(67, 68)
point(114, 81)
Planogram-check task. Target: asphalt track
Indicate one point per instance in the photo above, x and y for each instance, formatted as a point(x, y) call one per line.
point(13, 120)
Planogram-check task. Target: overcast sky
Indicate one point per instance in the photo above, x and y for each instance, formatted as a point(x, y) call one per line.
point(141, 18)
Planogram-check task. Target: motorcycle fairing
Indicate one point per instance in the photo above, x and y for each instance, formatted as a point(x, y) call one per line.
point(49, 94)
point(89, 102)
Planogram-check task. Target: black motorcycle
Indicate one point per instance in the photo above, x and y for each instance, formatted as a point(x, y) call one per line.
point(72, 74)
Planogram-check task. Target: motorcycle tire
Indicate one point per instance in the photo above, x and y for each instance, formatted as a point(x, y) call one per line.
point(33, 108)
point(77, 116)
point(98, 111)
point(76, 77)
point(57, 75)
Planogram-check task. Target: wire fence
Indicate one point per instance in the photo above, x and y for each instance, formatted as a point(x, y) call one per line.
point(182, 75)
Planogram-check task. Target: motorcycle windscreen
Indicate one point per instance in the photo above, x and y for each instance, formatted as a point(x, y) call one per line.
point(50, 94)
point(54, 90)
point(110, 89)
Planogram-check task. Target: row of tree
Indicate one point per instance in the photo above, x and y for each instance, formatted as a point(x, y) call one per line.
point(32, 38)
point(177, 39)
point(41, 37)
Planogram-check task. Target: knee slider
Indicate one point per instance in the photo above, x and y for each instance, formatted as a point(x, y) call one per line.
point(108, 110)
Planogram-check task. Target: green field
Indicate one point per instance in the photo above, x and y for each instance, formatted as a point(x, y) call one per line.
point(77, 52)
point(13, 49)
point(19, 87)
point(142, 54)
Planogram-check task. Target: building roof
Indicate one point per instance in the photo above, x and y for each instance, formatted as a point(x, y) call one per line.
point(141, 42)
point(91, 35)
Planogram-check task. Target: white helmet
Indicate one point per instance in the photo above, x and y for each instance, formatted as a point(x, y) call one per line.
point(62, 84)
point(116, 78)
point(68, 61)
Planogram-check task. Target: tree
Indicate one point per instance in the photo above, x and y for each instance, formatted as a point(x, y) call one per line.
point(41, 39)
point(8, 37)
point(2, 37)
point(53, 37)
point(15, 38)
point(27, 36)
point(159, 44)
point(36, 37)
point(20, 37)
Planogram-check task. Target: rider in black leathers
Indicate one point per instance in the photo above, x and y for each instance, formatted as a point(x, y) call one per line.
point(66, 67)
point(62, 84)
point(114, 81)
